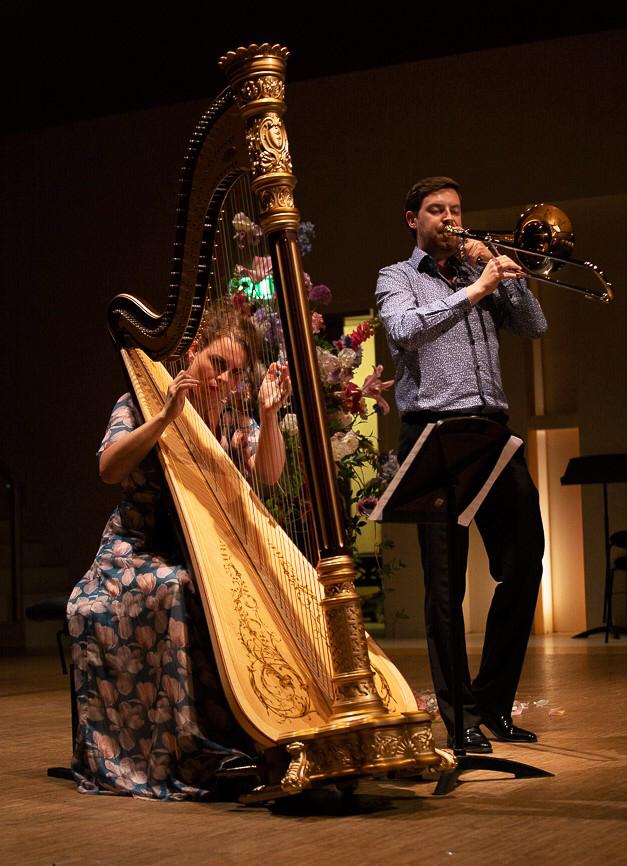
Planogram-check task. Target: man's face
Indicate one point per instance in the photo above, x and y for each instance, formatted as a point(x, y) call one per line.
point(437, 210)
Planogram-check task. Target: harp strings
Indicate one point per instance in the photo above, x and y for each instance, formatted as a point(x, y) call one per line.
point(239, 277)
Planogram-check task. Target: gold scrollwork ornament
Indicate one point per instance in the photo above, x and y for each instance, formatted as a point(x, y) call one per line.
point(268, 145)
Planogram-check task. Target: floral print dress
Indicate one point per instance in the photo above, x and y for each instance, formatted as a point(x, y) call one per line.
point(153, 720)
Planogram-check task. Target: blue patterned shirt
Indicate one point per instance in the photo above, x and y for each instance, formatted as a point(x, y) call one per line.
point(445, 350)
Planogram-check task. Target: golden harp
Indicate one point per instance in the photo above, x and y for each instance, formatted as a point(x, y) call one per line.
point(320, 699)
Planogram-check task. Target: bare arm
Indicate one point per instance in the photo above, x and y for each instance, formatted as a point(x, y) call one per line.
point(269, 458)
point(126, 453)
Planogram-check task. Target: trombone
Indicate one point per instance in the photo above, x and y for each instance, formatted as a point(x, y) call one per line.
point(542, 242)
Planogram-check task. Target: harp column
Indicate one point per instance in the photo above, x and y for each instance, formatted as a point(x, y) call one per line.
point(257, 77)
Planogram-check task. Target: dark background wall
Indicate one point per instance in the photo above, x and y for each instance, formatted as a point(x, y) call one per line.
point(89, 211)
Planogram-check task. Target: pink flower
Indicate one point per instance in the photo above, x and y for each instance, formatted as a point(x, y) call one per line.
point(173, 689)
point(125, 660)
point(106, 691)
point(161, 712)
point(146, 693)
point(105, 636)
point(373, 386)
point(125, 684)
point(366, 506)
point(146, 636)
point(76, 625)
point(317, 322)
point(106, 745)
point(125, 627)
point(177, 632)
point(261, 267)
point(427, 702)
point(146, 582)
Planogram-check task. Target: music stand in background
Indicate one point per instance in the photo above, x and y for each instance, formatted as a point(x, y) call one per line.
point(444, 479)
point(600, 469)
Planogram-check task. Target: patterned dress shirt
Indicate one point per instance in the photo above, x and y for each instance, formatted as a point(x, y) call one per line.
point(445, 350)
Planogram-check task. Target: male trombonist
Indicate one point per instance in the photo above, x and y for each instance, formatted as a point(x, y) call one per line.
point(442, 312)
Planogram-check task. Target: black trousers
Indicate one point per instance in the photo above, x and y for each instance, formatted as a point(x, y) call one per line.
point(510, 525)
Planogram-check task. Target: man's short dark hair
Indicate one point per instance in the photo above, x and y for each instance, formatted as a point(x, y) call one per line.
point(422, 188)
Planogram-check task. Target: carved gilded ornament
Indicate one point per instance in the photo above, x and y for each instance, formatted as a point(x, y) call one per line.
point(355, 691)
point(268, 146)
point(382, 686)
point(250, 53)
point(400, 742)
point(264, 87)
point(279, 688)
point(346, 642)
point(276, 198)
point(295, 779)
point(307, 599)
point(341, 589)
point(352, 752)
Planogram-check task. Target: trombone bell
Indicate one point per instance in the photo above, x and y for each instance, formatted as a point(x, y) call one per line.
point(542, 242)
point(543, 229)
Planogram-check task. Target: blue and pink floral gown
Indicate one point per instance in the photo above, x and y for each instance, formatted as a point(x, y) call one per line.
point(152, 717)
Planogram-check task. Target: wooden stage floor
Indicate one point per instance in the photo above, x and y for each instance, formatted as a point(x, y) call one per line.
point(577, 817)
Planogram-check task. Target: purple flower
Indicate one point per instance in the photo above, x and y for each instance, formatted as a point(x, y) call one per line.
point(269, 325)
point(305, 233)
point(320, 294)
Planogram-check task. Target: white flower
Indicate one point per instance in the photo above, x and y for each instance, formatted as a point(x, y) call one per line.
point(342, 419)
point(344, 444)
point(347, 359)
point(289, 424)
point(329, 366)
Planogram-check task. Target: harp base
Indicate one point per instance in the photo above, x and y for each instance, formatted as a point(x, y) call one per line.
point(374, 747)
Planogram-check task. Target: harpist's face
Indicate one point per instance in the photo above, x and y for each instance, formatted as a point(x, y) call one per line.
point(220, 367)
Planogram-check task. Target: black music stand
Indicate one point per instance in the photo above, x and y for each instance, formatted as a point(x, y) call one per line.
point(444, 479)
point(600, 469)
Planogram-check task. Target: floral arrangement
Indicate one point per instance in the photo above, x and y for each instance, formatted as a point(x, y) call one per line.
point(363, 470)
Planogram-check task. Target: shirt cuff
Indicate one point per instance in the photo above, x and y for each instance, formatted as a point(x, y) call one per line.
point(515, 290)
point(459, 301)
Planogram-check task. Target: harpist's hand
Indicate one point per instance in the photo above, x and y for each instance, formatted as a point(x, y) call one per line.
point(175, 397)
point(275, 389)
point(126, 453)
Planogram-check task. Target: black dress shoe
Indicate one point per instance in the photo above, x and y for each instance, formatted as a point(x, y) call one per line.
point(504, 729)
point(473, 741)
